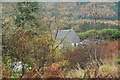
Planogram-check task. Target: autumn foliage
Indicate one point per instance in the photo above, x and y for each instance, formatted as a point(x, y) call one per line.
point(111, 48)
point(98, 51)
point(27, 37)
point(52, 71)
point(5, 73)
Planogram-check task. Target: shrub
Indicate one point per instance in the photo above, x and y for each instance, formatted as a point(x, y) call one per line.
point(53, 71)
point(22, 45)
point(112, 34)
point(77, 56)
point(64, 63)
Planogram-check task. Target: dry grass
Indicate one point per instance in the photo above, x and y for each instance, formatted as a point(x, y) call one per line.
point(75, 73)
point(109, 69)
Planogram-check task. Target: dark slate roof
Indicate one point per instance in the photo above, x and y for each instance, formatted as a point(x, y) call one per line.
point(71, 36)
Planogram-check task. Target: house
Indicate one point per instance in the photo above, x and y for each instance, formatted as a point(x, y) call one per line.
point(68, 37)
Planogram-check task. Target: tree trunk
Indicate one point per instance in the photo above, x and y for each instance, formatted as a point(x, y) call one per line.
point(23, 71)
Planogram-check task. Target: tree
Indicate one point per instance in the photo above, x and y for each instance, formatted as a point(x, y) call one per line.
point(15, 40)
point(28, 48)
point(25, 13)
point(17, 46)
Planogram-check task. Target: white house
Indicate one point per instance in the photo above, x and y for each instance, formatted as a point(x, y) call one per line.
point(69, 38)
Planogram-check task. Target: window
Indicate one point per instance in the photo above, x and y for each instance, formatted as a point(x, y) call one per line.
point(73, 44)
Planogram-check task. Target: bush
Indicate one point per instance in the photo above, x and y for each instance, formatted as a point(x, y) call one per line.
point(86, 34)
point(53, 71)
point(64, 63)
point(27, 47)
point(77, 56)
point(112, 34)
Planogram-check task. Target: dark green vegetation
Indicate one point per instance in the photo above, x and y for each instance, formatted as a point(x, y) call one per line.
point(112, 34)
point(83, 27)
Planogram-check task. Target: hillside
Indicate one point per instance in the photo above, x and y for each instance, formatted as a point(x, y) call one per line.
point(84, 10)
point(76, 10)
point(74, 13)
